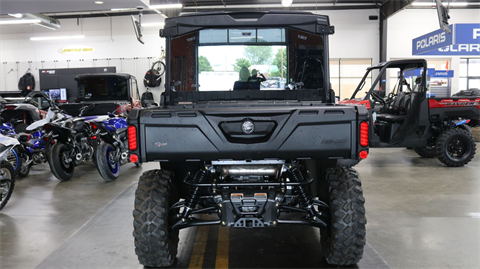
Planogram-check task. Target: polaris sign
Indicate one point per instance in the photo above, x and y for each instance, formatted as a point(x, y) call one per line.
point(465, 41)
point(457, 50)
point(431, 41)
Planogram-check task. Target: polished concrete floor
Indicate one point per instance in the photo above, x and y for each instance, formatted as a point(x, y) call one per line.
point(420, 214)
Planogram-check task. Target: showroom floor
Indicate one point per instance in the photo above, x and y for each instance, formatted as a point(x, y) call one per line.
point(420, 214)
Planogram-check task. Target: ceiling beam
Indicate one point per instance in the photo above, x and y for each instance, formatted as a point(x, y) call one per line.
point(390, 7)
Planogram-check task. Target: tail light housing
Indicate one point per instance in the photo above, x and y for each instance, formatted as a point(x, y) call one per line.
point(133, 158)
point(132, 137)
point(364, 134)
point(94, 126)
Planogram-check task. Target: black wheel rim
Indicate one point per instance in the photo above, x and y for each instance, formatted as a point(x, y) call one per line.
point(65, 159)
point(457, 148)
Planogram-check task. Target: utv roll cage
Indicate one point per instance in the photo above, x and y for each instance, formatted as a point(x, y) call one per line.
point(403, 65)
point(318, 25)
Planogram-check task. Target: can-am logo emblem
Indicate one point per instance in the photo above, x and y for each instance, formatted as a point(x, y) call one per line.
point(248, 127)
point(158, 144)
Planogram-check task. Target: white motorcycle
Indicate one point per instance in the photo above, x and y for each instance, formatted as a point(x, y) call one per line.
point(7, 172)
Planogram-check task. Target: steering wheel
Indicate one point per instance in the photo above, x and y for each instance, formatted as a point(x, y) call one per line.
point(379, 99)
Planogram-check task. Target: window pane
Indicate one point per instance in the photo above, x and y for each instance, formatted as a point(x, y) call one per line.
point(213, 36)
point(350, 84)
point(463, 84)
point(335, 82)
point(463, 68)
point(353, 67)
point(474, 68)
point(474, 83)
point(334, 72)
point(242, 36)
point(271, 35)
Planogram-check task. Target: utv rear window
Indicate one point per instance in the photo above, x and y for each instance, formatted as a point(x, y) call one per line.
point(255, 59)
point(103, 89)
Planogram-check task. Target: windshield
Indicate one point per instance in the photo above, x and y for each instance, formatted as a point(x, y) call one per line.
point(247, 59)
point(103, 88)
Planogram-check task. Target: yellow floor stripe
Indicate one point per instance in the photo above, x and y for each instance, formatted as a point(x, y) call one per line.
point(222, 248)
point(196, 261)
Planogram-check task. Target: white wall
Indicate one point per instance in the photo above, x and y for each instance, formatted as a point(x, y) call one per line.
point(412, 23)
point(355, 35)
point(122, 48)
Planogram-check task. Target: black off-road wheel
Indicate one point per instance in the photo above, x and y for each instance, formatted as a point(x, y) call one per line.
point(455, 147)
point(347, 163)
point(7, 183)
point(426, 152)
point(60, 164)
point(155, 243)
point(343, 240)
point(466, 128)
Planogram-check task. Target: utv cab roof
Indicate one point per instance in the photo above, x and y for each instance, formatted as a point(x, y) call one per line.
point(407, 64)
point(306, 21)
point(85, 76)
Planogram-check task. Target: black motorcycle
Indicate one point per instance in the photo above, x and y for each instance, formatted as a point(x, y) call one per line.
point(72, 141)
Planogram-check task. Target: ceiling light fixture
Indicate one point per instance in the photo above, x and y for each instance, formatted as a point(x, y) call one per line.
point(99, 2)
point(153, 24)
point(165, 6)
point(9, 22)
point(122, 9)
point(43, 38)
point(16, 15)
point(286, 3)
point(429, 4)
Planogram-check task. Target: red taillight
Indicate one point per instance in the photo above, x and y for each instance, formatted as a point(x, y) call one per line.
point(94, 126)
point(133, 158)
point(132, 137)
point(364, 134)
point(10, 107)
point(93, 137)
point(363, 154)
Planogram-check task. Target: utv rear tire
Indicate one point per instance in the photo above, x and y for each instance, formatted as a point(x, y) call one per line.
point(155, 243)
point(347, 163)
point(60, 169)
point(455, 147)
point(344, 238)
point(426, 152)
point(466, 128)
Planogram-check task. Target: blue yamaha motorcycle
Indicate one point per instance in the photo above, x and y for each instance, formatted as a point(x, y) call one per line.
point(30, 152)
point(112, 152)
